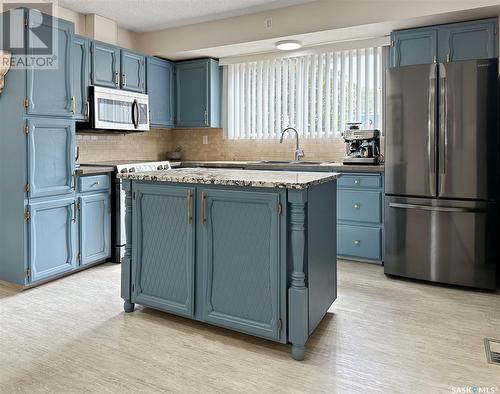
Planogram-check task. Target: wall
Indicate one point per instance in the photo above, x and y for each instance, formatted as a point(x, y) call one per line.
point(218, 148)
point(101, 147)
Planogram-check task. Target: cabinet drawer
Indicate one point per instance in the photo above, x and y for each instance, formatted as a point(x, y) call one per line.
point(359, 206)
point(359, 242)
point(93, 183)
point(360, 181)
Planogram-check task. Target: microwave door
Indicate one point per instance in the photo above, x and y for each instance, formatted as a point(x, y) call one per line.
point(113, 113)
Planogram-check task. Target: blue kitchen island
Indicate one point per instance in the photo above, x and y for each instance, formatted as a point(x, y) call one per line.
point(253, 251)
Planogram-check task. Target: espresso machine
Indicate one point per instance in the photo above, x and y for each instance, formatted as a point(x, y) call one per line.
point(362, 146)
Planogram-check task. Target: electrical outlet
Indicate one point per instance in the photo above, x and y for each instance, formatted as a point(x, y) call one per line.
point(205, 140)
point(269, 23)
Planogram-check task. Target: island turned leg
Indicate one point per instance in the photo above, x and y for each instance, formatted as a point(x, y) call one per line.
point(298, 316)
point(128, 305)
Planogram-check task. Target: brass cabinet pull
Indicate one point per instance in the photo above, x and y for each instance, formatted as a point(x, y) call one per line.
point(190, 217)
point(73, 104)
point(356, 206)
point(75, 208)
point(124, 79)
point(357, 181)
point(203, 217)
point(206, 118)
point(116, 78)
point(356, 242)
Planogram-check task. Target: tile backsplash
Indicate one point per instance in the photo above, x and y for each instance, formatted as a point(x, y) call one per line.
point(98, 147)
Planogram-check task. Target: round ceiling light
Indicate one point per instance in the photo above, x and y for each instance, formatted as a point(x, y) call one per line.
point(288, 45)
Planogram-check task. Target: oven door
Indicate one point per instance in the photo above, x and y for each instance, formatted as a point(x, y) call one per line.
point(114, 109)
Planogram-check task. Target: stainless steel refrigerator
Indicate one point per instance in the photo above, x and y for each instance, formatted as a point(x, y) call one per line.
point(441, 172)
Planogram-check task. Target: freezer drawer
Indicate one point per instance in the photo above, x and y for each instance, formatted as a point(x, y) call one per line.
point(441, 241)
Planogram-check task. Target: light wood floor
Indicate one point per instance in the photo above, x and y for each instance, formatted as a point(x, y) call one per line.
point(382, 335)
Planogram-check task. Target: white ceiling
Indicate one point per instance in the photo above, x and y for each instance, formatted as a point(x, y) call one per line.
point(151, 15)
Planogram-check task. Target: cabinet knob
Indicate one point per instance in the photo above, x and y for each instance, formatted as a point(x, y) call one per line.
point(356, 242)
point(357, 181)
point(356, 206)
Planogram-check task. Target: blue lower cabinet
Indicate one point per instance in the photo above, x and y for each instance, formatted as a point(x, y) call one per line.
point(51, 235)
point(360, 207)
point(359, 242)
point(163, 277)
point(240, 256)
point(94, 227)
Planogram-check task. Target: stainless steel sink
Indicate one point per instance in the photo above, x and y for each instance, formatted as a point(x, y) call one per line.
point(288, 162)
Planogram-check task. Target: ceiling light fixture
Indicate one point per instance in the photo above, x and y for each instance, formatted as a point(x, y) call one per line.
point(288, 45)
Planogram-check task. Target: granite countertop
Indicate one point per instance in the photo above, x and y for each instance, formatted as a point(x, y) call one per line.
point(234, 177)
point(89, 170)
point(320, 166)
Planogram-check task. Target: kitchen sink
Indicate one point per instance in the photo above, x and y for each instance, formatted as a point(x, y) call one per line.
point(288, 162)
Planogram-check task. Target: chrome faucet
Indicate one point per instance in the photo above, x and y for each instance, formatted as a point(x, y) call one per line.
point(299, 153)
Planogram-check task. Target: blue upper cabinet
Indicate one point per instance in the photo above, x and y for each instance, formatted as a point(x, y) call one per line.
point(133, 71)
point(81, 76)
point(51, 156)
point(49, 90)
point(468, 40)
point(445, 43)
point(198, 90)
point(160, 88)
point(105, 65)
point(416, 46)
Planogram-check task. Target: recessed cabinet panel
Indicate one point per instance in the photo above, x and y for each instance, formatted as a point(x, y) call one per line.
point(163, 277)
point(133, 71)
point(160, 89)
point(416, 46)
point(192, 94)
point(105, 65)
point(51, 238)
point(81, 76)
point(240, 257)
point(95, 228)
point(49, 87)
point(51, 159)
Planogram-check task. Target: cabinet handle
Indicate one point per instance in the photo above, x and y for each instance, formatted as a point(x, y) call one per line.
point(73, 104)
point(448, 57)
point(73, 181)
point(189, 207)
point(124, 79)
point(357, 181)
point(96, 183)
point(203, 217)
point(87, 110)
point(116, 77)
point(206, 118)
point(356, 242)
point(74, 212)
point(356, 206)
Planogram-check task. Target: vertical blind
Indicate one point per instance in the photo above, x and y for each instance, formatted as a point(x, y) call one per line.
point(317, 94)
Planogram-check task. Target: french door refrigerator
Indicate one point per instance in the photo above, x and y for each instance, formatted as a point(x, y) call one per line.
point(441, 172)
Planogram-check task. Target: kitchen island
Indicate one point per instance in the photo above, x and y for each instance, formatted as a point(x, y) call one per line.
point(252, 251)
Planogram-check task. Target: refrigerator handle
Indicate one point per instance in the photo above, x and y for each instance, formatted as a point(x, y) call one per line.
point(443, 117)
point(434, 209)
point(431, 129)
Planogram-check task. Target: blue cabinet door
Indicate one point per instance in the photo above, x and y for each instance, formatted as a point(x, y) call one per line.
point(80, 60)
point(95, 228)
point(468, 41)
point(415, 46)
point(198, 93)
point(51, 156)
point(51, 238)
point(133, 71)
point(49, 88)
point(163, 248)
point(105, 65)
point(160, 88)
point(240, 255)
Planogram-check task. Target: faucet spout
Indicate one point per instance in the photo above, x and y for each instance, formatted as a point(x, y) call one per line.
point(299, 153)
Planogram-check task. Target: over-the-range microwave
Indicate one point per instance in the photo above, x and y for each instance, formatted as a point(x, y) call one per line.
point(113, 109)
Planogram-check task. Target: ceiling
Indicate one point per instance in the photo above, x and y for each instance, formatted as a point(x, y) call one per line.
point(151, 15)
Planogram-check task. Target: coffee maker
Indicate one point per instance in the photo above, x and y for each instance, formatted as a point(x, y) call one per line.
point(362, 146)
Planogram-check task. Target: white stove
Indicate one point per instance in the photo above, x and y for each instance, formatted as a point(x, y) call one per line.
point(143, 167)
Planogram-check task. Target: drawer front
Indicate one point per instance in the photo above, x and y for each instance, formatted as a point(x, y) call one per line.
point(359, 242)
point(94, 183)
point(360, 181)
point(359, 206)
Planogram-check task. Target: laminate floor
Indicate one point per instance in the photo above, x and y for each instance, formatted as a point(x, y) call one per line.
point(381, 335)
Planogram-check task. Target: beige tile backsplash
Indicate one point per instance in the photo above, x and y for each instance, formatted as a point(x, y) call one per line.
point(96, 147)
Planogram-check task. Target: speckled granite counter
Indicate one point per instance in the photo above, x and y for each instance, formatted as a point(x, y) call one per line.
point(256, 165)
point(234, 177)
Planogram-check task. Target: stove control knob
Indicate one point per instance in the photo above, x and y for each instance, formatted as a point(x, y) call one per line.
point(132, 170)
point(160, 167)
point(124, 171)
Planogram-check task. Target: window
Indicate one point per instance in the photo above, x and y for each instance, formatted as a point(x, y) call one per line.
point(317, 94)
